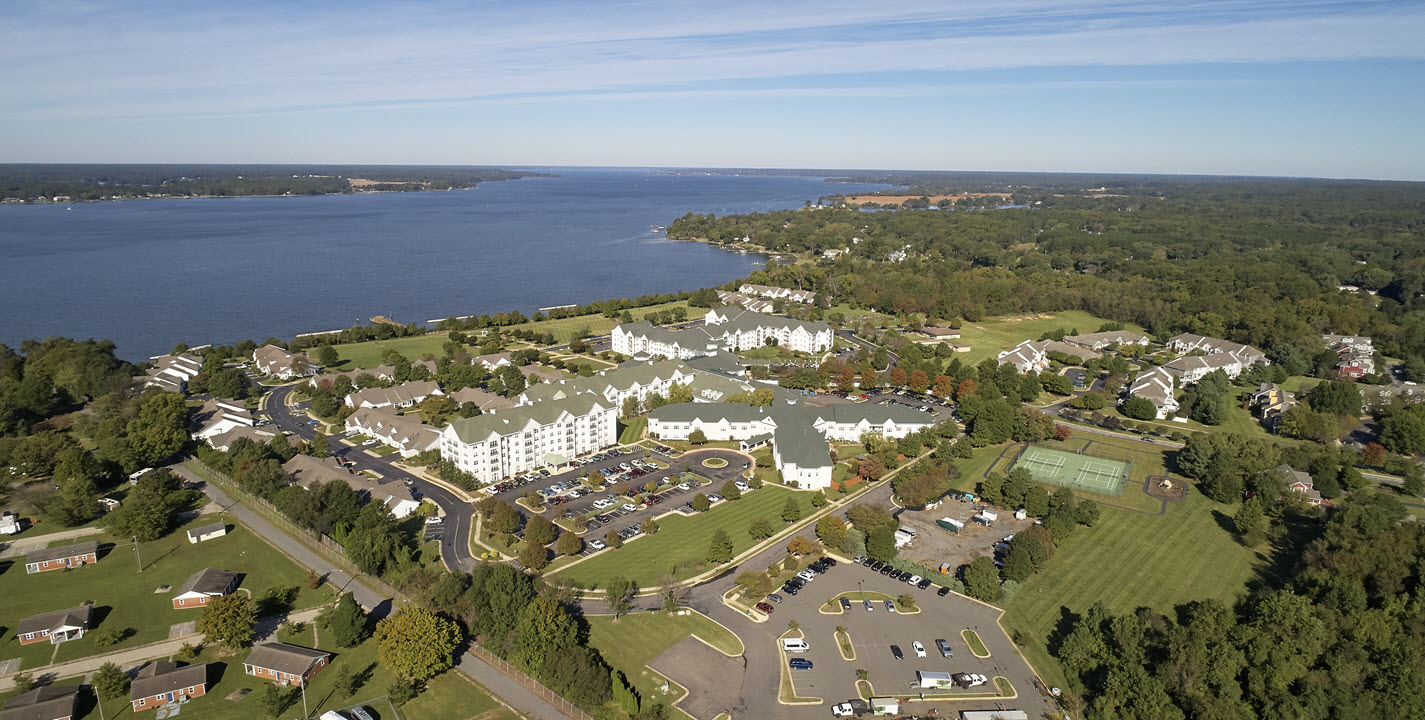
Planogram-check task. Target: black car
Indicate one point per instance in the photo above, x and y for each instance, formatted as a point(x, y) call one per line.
point(942, 592)
point(868, 562)
point(791, 589)
point(887, 570)
point(797, 582)
point(845, 604)
point(923, 584)
point(877, 565)
point(896, 652)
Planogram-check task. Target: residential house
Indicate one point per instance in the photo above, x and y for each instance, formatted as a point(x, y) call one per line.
point(937, 332)
point(538, 374)
point(1356, 356)
point(204, 584)
point(207, 532)
point(1188, 342)
point(49, 702)
point(218, 416)
point(1192, 368)
point(223, 441)
point(76, 555)
point(509, 442)
point(1269, 402)
point(406, 433)
point(831, 253)
point(55, 627)
point(1077, 351)
point(1027, 357)
point(483, 399)
point(1107, 339)
point(402, 396)
point(1156, 386)
point(754, 304)
point(307, 470)
point(799, 434)
point(639, 379)
point(806, 297)
point(644, 339)
point(493, 361)
point(1303, 483)
point(733, 330)
point(161, 683)
point(274, 361)
point(171, 373)
point(285, 664)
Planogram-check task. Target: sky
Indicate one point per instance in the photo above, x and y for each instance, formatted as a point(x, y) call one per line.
point(1242, 87)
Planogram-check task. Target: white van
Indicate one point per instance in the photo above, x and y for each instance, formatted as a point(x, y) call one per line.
point(796, 645)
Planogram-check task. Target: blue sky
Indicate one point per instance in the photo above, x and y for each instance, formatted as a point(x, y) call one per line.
point(1260, 87)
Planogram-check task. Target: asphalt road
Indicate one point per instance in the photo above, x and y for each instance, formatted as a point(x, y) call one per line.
point(459, 515)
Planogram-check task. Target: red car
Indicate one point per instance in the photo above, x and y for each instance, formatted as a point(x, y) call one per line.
point(764, 607)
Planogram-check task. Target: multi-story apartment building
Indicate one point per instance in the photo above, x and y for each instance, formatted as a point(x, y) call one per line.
point(512, 441)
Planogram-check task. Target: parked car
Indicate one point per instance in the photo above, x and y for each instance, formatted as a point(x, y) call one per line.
point(596, 544)
point(774, 597)
point(629, 507)
point(918, 648)
point(944, 647)
point(845, 604)
point(434, 520)
point(764, 607)
point(913, 580)
point(869, 606)
point(923, 584)
point(890, 606)
point(799, 664)
point(943, 591)
point(896, 652)
point(791, 589)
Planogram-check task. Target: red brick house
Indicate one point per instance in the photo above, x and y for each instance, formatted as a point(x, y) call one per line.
point(285, 664)
point(55, 627)
point(160, 683)
point(206, 583)
point(62, 557)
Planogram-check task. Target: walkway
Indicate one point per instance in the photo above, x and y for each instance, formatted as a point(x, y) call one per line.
point(24, 545)
point(502, 686)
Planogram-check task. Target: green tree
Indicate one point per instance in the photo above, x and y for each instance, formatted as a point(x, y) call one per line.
point(730, 490)
point(401, 691)
point(792, 510)
point(613, 539)
point(818, 499)
point(1088, 512)
point(881, 543)
point(761, 528)
point(544, 628)
point(274, 700)
point(347, 622)
point(318, 446)
point(416, 643)
point(160, 429)
point(1250, 521)
point(982, 580)
point(617, 593)
point(569, 544)
point(701, 503)
point(831, 531)
point(720, 548)
point(109, 682)
point(539, 530)
point(228, 383)
point(327, 356)
point(698, 437)
point(228, 620)
point(534, 556)
point(1140, 408)
point(624, 694)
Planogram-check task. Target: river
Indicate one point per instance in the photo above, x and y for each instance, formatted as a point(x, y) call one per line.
point(148, 274)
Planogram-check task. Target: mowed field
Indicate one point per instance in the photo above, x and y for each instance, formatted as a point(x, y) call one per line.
point(1146, 460)
point(638, 638)
point(563, 329)
point(683, 541)
point(125, 598)
point(1131, 560)
point(368, 355)
point(992, 336)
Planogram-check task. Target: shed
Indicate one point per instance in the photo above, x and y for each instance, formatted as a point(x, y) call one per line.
point(207, 532)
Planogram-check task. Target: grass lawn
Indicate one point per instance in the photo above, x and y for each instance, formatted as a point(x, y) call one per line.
point(682, 542)
point(450, 696)
point(636, 639)
point(1130, 560)
point(993, 336)
point(630, 432)
point(563, 328)
point(125, 598)
point(1147, 460)
point(1299, 383)
point(368, 355)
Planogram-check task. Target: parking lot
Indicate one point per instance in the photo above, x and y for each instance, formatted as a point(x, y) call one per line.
point(566, 496)
point(873, 632)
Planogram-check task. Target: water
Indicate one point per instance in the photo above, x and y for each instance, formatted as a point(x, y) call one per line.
point(148, 274)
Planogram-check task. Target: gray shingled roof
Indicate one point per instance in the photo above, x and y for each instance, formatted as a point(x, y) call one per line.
point(209, 581)
point(42, 703)
point(284, 658)
point(504, 422)
point(163, 676)
point(57, 553)
point(74, 617)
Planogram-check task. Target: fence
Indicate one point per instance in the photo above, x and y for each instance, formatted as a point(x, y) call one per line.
point(529, 683)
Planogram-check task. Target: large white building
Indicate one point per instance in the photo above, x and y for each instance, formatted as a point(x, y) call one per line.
point(1155, 386)
point(639, 379)
point(171, 373)
point(1028, 356)
point(798, 434)
point(1188, 342)
point(1192, 368)
point(402, 396)
point(731, 329)
point(495, 446)
point(274, 361)
point(406, 433)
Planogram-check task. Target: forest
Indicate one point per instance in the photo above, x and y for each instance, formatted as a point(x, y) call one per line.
point(83, 182)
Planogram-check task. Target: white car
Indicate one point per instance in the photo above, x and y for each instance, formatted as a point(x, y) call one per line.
point(914, 580)
point(919, 649)
point(629, 507)
point(744, 487)
point(596, 544)
point(434, 520)
point(807, 575)
point(602, 503)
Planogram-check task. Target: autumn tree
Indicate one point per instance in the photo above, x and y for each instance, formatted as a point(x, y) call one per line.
point(416, 643)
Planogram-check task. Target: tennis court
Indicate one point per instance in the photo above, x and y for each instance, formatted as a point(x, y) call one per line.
point(1081, 472)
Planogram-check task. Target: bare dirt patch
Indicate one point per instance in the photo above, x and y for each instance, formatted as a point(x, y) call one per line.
point(1165, 488)
point(934, 545)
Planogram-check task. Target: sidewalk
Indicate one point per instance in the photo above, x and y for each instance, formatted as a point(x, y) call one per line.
point(21, 546)
point(513, 693)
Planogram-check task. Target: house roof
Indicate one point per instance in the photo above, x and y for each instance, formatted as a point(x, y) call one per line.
point(53, 620)
point(223, 440)
point(1155, 385)
point(206, 529)
point(1247, 353)
point(402, 394)
point(504, 422)
point(42, 703)
point(284, 658)
point(1203, 362)
point(160, 677)
point(1296, 476)
point(937, 331)
point(307, 470)
point(1101, 339)
point(406, 431)
point(483, 399)
point(746, 321)
point(535, 373)
point(208, 581)
point(1077, 351)
point(64, 551)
